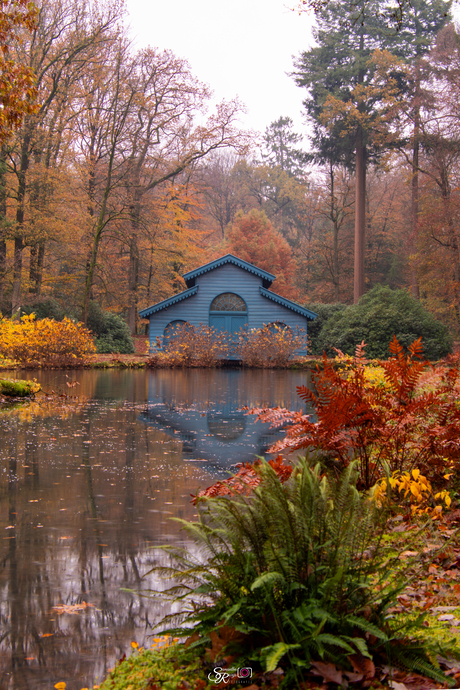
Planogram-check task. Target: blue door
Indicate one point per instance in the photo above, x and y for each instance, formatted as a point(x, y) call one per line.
point(228, 322)
point(228, 312)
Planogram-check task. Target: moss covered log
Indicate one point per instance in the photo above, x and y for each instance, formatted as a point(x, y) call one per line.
point(15, 388)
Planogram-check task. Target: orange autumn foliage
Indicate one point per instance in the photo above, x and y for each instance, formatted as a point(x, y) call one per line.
point(253, 238)
point(400, 424)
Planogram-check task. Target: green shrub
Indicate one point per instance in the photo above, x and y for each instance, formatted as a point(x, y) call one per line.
point(47, 309)
point(325, 312)
point(172, 667)
point(379, 315)
point(296, 570)
point(112, 334)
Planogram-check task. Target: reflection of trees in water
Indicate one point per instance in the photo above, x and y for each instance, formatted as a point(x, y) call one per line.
point(92, 543)
point(86, 490)
point(256, 388)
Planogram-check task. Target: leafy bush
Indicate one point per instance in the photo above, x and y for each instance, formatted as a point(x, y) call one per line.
point(325, 312)
point(393, 422)
point(111, 331)
point(270, 346)
point(291, 574)
point(45, 342)
point(379, 315)
point(412, 491)
point(192, 346)
point(203, 346)
point(46, 309)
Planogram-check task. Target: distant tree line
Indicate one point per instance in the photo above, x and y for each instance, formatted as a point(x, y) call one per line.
point(115, 184)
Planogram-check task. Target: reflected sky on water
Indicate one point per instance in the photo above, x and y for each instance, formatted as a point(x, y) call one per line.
point(88, 485)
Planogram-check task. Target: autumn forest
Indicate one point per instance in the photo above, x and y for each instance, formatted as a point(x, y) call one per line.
point(122, 173)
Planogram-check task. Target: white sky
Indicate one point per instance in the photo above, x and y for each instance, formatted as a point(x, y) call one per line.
point(238, 47)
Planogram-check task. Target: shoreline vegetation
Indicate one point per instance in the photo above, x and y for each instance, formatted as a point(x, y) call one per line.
point(380, 481)
point(340, 569)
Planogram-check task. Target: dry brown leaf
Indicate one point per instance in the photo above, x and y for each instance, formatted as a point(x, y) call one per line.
point(329, 672)
point(362, 664)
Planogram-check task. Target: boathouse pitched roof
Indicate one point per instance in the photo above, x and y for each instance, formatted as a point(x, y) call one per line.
point(192, 288)
point(287, 303)
point(191, 276)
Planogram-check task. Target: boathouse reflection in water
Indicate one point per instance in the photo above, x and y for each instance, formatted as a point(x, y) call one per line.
point(88, 487)
point(216, 429)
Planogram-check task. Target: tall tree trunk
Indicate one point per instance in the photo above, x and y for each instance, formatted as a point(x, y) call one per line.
point(17, 276)
point(19, 239)
point(360, 216)
point(37, 258)
point(415, 189)
point(133, 272)
point(335, 236)
point(133, 280)
point(2, 269)
point(3, 196)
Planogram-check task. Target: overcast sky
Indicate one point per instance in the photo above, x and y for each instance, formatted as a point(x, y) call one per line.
point(239, 47)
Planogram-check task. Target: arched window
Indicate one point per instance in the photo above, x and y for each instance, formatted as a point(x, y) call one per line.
point(228, 312)
point(170, 332)
point(228, 301)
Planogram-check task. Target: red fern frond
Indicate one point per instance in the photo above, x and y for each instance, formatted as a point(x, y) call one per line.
point(360, 352)
point(245, 479)
point(416, 348)
point(396, 349)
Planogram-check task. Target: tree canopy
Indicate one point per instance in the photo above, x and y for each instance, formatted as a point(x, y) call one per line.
point(254, 239)
point(17, 85)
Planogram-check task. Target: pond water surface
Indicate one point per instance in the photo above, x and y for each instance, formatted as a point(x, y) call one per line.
point(87, 488)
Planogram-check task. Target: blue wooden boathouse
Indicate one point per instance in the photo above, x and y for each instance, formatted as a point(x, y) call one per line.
point(226, 294)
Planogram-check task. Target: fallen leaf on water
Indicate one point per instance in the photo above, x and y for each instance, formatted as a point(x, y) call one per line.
point(71, 608)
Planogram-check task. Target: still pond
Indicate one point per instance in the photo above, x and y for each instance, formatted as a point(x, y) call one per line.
point(88, 484)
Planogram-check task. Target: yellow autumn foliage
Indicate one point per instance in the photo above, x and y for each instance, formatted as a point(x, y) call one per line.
point(415, 491)
point(44, 342)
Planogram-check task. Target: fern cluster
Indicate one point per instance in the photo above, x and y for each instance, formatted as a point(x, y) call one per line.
point(295, 568)
point(398, 424)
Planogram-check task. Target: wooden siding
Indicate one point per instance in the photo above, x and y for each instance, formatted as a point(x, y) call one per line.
point(227, 278)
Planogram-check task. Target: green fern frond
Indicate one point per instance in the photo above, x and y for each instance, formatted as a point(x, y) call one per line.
point(274, 653)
